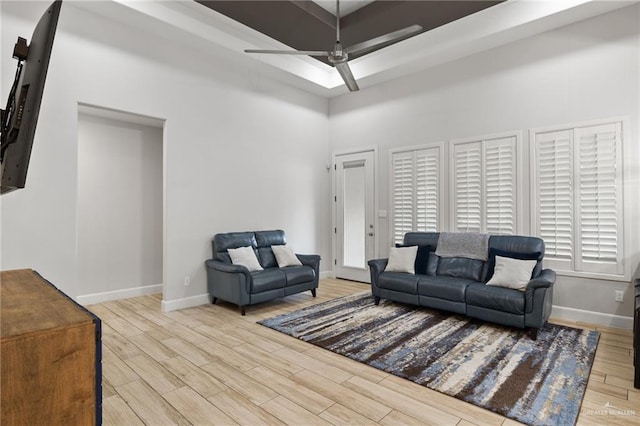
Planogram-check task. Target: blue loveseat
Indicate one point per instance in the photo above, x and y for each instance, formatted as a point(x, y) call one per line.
point(458, 284)
point(236, 284)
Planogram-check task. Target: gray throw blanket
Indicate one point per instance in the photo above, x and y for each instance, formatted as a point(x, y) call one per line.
point(463, 244)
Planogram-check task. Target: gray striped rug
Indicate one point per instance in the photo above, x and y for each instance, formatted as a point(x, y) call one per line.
point(501, 369)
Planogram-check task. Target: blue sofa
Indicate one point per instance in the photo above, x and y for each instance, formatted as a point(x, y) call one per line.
point(459, 284)
point(236, 284)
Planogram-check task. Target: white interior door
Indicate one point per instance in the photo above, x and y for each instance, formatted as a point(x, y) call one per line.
point(355, 208)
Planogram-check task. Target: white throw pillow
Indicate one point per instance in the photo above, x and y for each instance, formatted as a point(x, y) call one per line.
point(512, 273)
point(246, 257)
point(402, 259)
point(285, 256)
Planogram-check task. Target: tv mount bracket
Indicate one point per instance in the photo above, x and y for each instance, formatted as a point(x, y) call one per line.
point(20, 52)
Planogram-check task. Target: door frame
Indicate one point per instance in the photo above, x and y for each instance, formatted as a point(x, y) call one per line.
point(334, 203)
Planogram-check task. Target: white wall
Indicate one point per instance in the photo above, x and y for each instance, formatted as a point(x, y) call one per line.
point(120, 216)
point(240, 152)
point(588, 70)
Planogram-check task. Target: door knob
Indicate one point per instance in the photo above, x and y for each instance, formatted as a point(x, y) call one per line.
point(371, 234)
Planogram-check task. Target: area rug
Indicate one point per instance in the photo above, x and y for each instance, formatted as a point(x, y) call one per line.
point(501, 369)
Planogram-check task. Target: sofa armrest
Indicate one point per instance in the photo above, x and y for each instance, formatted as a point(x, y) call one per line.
point(376, 267)
point(312, 260)
point(228, 282)
point(546, 279)
point(218, 266)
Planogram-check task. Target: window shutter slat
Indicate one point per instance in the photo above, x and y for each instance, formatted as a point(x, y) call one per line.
point(597, 195)
point(467, 187)
point(555, 193)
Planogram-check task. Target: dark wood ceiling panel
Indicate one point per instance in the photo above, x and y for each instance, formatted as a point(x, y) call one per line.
point(303, 25)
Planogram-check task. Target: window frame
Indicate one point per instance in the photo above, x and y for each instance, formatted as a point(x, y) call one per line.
point(519, 177)
point(623, 196)
point(442, 214)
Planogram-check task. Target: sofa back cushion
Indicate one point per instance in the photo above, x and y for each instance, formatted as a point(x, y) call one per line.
point(515, 247)
point(230, 240)
point(422, 258)
point(460, 267)
point(266, 239)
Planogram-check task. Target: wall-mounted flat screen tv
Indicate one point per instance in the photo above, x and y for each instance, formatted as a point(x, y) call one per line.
point(19, 118)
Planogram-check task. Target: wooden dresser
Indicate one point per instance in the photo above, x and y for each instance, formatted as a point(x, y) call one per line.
point(50, 355)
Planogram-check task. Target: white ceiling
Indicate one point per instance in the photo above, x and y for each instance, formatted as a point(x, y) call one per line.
point(188, 22)
point(346, 6)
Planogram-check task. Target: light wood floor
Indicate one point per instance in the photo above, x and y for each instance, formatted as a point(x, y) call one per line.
point(210, 365)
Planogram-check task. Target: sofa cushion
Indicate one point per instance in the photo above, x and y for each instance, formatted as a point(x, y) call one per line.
point(267, 279)
point(432, 263)
point(231, 240)
point(298, 274)
point(460, 267)
point(245, 256)
point(402, 259)
point(493, 252)
point(447, 288)
point(285, 256)
point(422, 258)
point(512, 273)
point(496, 298)
point(399, 281)
point(270, 238)
point(267, 258)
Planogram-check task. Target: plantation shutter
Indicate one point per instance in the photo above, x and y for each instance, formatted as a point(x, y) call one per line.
point(467, 183)
point(598, 199)
point(500, 185)
point(554, 193)
point(415, 191)
point(427, 189)
point(403, 194)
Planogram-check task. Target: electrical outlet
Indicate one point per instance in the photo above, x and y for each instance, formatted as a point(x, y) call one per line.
point(187, 280)
point(619, 296)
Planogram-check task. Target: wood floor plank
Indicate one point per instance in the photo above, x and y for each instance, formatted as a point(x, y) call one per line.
point(306, 362)
point(114, 370)
point(154, 374)
point(152, 347)
point(243, 411)
point(290, 413)
point(191, 352)
point(354, 367)
point(221, 337)
point(339, 415)
point(115, 411)
point(367, 407)
point(436, 399)
point(407, 405)
point(195, 408)
point(150, 406)
point(121, 345)
point(198, 379)
point(395, 418)
point(244, 384)
point(301, 395)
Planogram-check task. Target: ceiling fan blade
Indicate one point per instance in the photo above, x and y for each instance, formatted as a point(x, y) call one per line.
point(378, 42)
point(290, 52)
point(347, 76)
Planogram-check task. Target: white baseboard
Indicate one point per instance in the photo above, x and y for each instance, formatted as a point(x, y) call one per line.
point(90, 299)
point(186, 302)
point(597, 318)
point(327, 274)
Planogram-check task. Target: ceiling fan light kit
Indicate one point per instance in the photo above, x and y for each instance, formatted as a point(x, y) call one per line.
point(339, 57)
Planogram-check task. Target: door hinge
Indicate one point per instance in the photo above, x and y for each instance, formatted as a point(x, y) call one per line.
point(335, 230)
point(335, 198)
point(335, 167)
point(335, 262)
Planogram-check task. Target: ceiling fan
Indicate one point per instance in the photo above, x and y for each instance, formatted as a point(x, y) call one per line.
point(339, 56)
